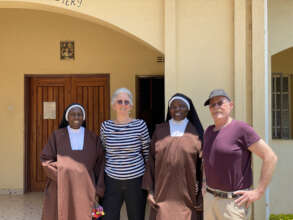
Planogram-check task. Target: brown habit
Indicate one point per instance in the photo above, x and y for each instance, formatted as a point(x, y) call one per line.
point(171, 174)
point(74, 176)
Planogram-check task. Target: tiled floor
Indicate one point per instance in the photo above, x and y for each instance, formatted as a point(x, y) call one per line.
point(28, 207)
point(21, 207)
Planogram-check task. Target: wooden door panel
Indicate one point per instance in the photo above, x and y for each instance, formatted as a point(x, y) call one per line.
point(44, 90)
point(92, 92)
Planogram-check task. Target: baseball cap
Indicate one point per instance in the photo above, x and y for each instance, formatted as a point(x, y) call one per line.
point(214, 93)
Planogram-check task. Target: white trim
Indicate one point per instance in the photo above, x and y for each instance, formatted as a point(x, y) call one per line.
point(181, 98)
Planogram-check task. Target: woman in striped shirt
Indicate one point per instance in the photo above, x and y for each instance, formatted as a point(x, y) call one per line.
point(126, 142)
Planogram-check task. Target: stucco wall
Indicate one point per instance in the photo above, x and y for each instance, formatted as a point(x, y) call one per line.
point(204, 50)
point(203, 46)
point(280, 39)
point(29, 43)
point(282, 62)
point(142, 20)
point(280, 23)
point(281, 186)
point(281, 201)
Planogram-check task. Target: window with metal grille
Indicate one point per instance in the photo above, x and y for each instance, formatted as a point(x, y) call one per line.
point(281, 106)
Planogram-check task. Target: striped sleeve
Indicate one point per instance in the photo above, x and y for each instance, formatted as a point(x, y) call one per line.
point(102, 135)
point(145, 139)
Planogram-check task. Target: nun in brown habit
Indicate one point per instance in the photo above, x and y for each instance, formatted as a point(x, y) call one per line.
point(173, 175)
point(74, 163)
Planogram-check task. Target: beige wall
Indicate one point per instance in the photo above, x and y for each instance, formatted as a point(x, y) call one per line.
point(30, 45)
point(281, 186)
point(122, 16)
point(198, 38)
point(204, 55)
point(204, 51)
point(280, 39)
point(281, 199)
point(280, 23)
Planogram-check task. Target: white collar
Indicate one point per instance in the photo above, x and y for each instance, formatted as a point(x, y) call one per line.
point(73, 130)
point(182, 122)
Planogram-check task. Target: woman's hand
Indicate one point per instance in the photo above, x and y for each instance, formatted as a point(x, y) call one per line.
point(97, 199)
point(152, 201)
point(204, 188)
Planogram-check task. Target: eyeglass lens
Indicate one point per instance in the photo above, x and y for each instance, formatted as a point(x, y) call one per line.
point(219, 103)
point(120, 102)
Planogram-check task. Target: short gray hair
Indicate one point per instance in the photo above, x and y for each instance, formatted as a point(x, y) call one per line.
point(121, 90)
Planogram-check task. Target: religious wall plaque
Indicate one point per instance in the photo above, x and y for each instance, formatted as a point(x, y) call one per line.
point(49, 109)
point(67, 50)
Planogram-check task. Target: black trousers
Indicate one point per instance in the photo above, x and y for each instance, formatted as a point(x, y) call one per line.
point(118, 191)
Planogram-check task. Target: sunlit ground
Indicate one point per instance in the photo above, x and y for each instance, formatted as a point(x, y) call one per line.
point(27, 207)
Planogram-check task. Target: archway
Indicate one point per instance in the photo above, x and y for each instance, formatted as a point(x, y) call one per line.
point(282, 93)
point(85, 13)
point(30, 45)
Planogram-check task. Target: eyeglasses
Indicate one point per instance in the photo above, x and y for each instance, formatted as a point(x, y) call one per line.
point(219, 103)
point(121, 102)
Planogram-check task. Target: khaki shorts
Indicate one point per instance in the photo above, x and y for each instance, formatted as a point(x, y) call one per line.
point(216, 208)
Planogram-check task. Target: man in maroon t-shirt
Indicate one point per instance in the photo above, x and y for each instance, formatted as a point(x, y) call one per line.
point(227, 149)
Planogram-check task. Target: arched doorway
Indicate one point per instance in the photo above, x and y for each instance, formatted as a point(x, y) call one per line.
point(282, 94)
point(99, 49)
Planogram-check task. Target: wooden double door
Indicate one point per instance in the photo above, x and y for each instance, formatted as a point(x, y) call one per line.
point(48, 97)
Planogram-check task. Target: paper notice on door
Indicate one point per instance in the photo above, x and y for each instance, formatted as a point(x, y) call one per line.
point(49, 110)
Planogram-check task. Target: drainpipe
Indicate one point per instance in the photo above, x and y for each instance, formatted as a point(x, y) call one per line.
point(266, 62)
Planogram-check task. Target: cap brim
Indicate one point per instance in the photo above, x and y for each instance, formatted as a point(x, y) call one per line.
point(207, 102)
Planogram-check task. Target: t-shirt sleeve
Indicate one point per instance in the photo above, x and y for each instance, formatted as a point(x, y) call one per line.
point(206, 135)
point(102, 135)
point(250, 136)
point(145, 141)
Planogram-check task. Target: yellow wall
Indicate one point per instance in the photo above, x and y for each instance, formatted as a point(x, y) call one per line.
point(280, 21)
point(29, 43)
point(281, 186)
point(201, 45)
point(280, 39)
point(142, 19)
point(204, 51)
point(283, 62)
point(281, 202)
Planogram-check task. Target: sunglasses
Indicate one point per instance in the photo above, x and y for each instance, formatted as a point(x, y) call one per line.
point(121, 102)
point(219, 103)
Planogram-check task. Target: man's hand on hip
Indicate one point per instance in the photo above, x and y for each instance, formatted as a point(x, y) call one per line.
point(247, 197)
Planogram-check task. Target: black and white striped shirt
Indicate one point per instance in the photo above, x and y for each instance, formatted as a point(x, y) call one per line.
point(126, 148)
